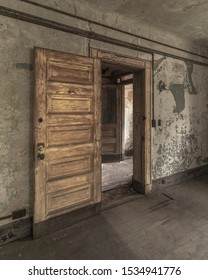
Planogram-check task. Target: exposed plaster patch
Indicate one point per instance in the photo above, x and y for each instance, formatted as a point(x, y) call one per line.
point(178, 93)
point(181, 77)
point(158, 62)
point(191, 87)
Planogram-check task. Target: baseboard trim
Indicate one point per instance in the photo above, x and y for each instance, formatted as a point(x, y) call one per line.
point(15, 230)
point(137, 186)
point(59, 222)
point(179, 177)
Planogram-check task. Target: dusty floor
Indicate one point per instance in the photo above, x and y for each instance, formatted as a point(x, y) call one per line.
point(117, 174)
point(134, 227)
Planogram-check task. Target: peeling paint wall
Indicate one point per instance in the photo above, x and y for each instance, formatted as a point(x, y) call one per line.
point(181, 104)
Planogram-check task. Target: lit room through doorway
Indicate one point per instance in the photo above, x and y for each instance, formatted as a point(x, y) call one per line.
point(117, 127)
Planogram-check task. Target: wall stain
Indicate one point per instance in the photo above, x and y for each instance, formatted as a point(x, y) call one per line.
point(24, 66)
point(177, 91)
point(191, 87)
point(158, 62)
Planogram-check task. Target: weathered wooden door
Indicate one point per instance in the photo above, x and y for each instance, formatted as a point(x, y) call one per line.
point(111, 123)
point(67, 134)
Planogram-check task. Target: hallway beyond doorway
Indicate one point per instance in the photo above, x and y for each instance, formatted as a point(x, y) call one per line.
point(117, 174)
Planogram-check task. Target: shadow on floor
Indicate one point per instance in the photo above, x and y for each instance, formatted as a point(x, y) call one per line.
point(90, 239)
point(170, 226)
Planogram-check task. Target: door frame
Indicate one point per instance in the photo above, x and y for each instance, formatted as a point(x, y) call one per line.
point(144, 68)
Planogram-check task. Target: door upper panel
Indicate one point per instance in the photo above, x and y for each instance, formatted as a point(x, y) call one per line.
point(111, 123)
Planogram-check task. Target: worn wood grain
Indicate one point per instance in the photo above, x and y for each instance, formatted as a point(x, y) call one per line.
point(119, 59)
point(69, 182)
point(68, 104)
point(147, 130)
point(72, 119)
point(39, 134)
point(97, 132)
point(68, 97)
point(69, 135)
point(70, 90)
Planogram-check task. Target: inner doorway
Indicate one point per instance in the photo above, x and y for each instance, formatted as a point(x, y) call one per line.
point(117, 126)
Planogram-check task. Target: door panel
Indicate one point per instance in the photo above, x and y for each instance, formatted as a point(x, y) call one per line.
point(76, 72)
point(70, 89)
point(65, 104)
point(72, 119)
point(59, 201)
point(67, 133)
point(69, 166)
point(111, 123)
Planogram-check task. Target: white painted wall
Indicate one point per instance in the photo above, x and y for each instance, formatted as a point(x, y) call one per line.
point(128, 120)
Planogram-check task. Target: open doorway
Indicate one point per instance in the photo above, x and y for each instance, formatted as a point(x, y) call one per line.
point(117, 126)
point(116, 72)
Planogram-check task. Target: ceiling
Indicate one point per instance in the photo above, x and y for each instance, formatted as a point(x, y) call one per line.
point(115, 71)
point(187, 18)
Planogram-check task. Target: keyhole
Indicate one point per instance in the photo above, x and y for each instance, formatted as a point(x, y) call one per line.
point(40, 119)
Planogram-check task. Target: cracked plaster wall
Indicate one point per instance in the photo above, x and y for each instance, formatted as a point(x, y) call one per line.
point(180, 143)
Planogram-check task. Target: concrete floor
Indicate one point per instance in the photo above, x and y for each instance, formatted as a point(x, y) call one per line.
point(134, 227)
point(117, 174)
